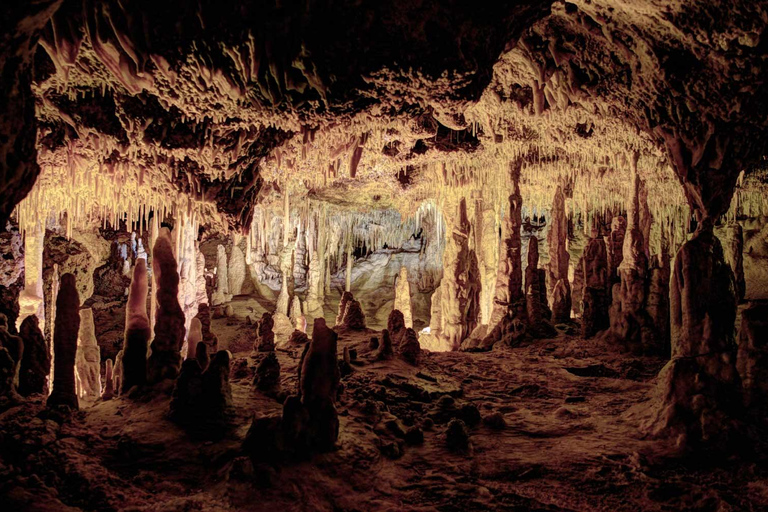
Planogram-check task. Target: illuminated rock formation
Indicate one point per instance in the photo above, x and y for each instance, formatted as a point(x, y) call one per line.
point(221, 295)
point(403, 297)
point(133, 363)
point(165, 360)
point(558, 286)
point(210, 339)
point(236, 271)
point(65, 333)
point(31, 297)
point(614, 243)
point(88, 358)
point(295, 311)
point(36, 360)
point(460, 288)
point(345, 298)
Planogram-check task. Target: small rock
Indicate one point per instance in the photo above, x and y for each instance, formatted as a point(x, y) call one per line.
point(456, 436)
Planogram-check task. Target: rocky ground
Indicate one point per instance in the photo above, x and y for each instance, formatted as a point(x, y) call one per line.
point(552, 425)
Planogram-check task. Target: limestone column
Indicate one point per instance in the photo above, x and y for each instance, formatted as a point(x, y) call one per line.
point(595, 301)
point(403, 297)
point(221, 295)
point(558, 285)
point(508, 297)
point(734, 248)
point(31, 300)
point(65, 344)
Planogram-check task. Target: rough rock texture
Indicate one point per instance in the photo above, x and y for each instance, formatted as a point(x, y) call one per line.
point(201, 355)
point(403, 297)
point(657, 303)
point(699, 389)
point(88, 358)
point(596, 286)
point(66, 327)
point(210, 339)
point(36, 360)
point(557, 270)
point(396, 327)
point(298, 338)
point(133, 363)
point(202, 400)
point(408, 347)
point(734, 249)
point(12, 348)
point(614, 243)
point(165, 361)
point(345, 297)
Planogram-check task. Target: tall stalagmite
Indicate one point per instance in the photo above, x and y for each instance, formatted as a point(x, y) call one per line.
point(67, 326)
point(222, 294)
point(137, 331)
point(88, 358)
point(165, 360)
point(460, 288)
point(558, 286)
point(403, 296)
point(734, 248)
point(36, 360)
point(595, 301)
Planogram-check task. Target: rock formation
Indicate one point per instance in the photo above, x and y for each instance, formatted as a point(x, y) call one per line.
point(536, 308)
point(267, 373)
point(595, 302)
point(66, 328)
point(133, 363)
point(13, 352)
point(384, 347)
point(558, 286)
point(734, 248)
point(88, 358)
point(108, 393)
point(169, 337)
point(265, 336)
point(699, 389)
point(403, 296)
point(353, 317)
point(752, 359)
point(201, 355)
point(36, 360)
point(202, 400)
point(614, 244)
point(408, 347)
point(222, 294)
point(236, 271)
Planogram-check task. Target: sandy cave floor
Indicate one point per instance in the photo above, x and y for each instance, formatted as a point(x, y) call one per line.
point(571, 442)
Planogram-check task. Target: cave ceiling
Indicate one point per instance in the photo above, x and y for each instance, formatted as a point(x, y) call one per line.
point(219, 106)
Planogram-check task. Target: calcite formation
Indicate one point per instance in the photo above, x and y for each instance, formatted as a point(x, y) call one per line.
point(133, 363)
point(558, 285)
point(88, 358)
point(36, 360)
point(265, 335)
point(165, 360)
point(403, 297)
point(752, 358)
point(537, 311)
point(596, 286)
point(65, 334)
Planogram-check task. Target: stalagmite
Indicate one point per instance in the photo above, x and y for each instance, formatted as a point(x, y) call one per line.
point(210, 339)
point(195, 337)
point(409, 348)
point(752, 359)
point(385, 349)
point(31, 297)
point(65, 344)
point(88, 358)
point(345, 297)
point(460, 288)
point(596, 285)
point(318, 384)
point(265, 336)
point(109, 391)
point(165, 360)
point(558, 286)
point(353, 317)
point(236, 271)
point(348, 273)
point(657, 303)
point(36, 360)
point(267, 373)
point(201, 355)
point(396, 327)
point(403, 297)
point(133, 364)
point(222, 294)
point(12, 348)
point(537, 312)
point(117, 373)
point(295, 311)
point(734, 248)
point(614, 243)
point(630, 324)
point(698, 391)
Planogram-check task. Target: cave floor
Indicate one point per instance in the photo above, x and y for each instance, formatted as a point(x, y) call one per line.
point(571, 442)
